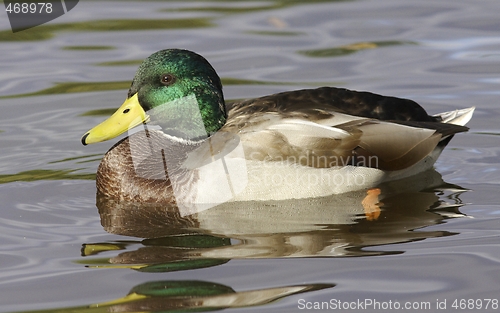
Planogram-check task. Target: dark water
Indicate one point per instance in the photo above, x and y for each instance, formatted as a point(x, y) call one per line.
point(437, 236)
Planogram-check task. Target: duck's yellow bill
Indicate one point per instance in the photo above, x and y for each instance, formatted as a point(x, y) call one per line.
point(129, 115)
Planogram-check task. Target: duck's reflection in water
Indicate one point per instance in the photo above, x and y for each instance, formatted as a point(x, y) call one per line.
point(336, 226)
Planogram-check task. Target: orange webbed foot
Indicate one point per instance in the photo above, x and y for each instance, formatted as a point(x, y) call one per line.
point(371, 204)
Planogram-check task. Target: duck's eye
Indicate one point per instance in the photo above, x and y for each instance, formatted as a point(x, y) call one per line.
point(126, 111)
point(167, 79)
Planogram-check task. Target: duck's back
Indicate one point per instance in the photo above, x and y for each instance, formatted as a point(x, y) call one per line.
point(316, 102)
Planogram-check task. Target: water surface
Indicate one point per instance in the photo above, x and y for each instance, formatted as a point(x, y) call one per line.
point(436, 238)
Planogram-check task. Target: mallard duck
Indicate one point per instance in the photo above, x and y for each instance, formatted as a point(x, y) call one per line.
point(187, 146)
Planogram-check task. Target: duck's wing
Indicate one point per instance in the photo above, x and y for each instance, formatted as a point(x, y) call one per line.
point(361, 142)
point(313, 128)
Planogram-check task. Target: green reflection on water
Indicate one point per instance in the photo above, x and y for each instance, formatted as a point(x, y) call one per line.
point(274, 33)
point(228, 81)
point(477, 133)
point(120, 63)
point(225, 9)
point(79, 158)
point(352, 48)
point(46, 31)
point(99, 112)
point(85, 48)
point(35, 175)
point(237, 81)
point(75, 87)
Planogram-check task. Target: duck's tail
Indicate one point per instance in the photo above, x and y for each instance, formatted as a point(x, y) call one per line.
point(456, 117)
point(447, 123)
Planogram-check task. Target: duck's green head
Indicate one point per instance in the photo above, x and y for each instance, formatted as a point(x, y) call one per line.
point(176, 89)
